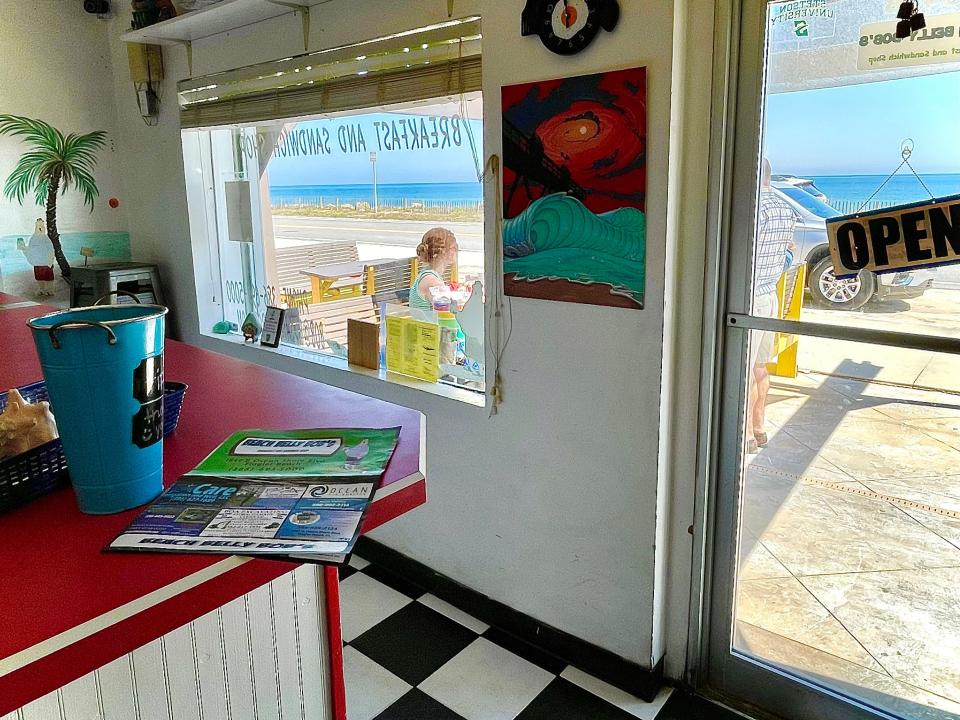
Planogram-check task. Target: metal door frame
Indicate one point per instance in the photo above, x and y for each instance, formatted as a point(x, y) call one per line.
point(715, 669)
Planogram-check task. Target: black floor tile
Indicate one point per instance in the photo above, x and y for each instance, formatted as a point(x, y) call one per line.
point(345, 571)
point(550, 663)
point(416, 705)
point(392, 580)
point(629, 676)
point(685, 706)
point(414, 642)
point(562, 699)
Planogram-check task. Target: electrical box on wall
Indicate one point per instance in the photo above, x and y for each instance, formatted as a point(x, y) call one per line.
point(146, 72)
point(146, 63)
point(148, 103)
point(239, 216)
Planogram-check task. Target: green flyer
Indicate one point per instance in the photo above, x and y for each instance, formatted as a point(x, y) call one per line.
point(291, 454)
point(298, 493)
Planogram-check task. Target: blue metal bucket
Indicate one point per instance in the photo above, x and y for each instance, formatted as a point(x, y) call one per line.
point(104, 371)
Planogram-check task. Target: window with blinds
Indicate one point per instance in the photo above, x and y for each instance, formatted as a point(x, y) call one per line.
point(346, 188)
point(439, 61)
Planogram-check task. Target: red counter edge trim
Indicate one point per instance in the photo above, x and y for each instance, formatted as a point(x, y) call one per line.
point(394, 505)
point(59, 668)
point(338, 691)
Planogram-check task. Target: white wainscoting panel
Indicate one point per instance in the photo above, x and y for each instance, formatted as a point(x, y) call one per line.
point(260, 657)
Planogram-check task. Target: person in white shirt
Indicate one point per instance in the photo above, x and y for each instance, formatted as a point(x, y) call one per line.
point(775, 227)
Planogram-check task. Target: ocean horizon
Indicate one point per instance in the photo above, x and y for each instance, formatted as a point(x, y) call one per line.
point(850, 188)
point(872, 175)
point(901, 189)
point(387, 193)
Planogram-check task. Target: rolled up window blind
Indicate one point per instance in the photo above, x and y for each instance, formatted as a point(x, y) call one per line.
point(439, 61)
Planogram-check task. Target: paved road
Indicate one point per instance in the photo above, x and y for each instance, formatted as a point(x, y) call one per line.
point(948, 276)
point(385, 233)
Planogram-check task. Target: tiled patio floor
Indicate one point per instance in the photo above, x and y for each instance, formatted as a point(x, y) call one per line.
point(850, 553)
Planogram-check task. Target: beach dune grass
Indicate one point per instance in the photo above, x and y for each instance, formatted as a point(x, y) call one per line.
point(391, 213)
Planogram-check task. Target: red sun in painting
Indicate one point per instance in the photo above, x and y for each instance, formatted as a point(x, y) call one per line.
point(589, 141)
point(590, 133)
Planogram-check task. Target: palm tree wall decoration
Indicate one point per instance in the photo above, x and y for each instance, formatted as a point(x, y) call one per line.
point(54, 163)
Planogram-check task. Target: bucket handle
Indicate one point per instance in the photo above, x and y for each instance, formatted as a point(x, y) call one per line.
point(55, 341)
point(118, 293)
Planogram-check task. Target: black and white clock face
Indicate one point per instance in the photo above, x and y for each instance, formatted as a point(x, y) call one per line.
point(569, 18)
point(568, 26)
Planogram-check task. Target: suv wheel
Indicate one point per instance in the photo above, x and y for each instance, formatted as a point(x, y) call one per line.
point(835, 293)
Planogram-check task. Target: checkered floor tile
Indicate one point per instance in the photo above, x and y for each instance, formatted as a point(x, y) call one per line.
point(412, 656)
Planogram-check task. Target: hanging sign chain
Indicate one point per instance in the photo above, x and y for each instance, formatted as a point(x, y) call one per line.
point(906, 150)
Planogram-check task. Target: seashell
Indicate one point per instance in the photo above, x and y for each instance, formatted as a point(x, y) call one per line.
point(25, 425)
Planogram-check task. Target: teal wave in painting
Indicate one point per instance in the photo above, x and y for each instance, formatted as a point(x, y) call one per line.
point(557, 221)
point(557, 237)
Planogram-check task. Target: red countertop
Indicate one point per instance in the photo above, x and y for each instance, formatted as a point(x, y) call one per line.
point(68, 607)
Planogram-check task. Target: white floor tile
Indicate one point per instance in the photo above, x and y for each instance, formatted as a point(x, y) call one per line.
point(358, 562)
point(371, 689)
point(486, 682)
point(364, 602)
point(615, 696)
point(455, 614)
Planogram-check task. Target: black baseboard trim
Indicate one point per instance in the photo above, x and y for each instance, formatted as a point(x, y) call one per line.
point(684, 704)
point(603, 664)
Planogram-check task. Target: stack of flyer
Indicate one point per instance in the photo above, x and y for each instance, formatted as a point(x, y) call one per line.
point(295, 493)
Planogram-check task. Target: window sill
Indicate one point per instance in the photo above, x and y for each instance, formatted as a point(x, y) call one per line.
point(468, 397)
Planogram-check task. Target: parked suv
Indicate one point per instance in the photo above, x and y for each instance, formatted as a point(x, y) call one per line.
point(804, 184)
point(827, 290)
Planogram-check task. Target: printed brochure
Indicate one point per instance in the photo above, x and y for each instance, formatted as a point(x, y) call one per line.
point(296, 493)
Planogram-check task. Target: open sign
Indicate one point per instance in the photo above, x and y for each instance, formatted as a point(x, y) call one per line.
point(894, 239)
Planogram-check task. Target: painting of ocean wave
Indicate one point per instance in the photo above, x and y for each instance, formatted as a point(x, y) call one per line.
point(557, 238)
point(574, 189)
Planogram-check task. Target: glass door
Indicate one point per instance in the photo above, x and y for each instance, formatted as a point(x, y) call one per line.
point(835, 587)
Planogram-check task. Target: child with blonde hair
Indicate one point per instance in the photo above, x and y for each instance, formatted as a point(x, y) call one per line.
point(436, 252)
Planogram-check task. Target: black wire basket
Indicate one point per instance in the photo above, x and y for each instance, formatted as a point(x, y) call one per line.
point(36, 472)
point(173, 393)
point(41, 470)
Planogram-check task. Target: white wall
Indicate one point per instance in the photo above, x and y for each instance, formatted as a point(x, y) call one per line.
point(55, 65)
point(551, 505)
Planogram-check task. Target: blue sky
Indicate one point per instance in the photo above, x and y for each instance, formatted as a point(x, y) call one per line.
point(857, 129)
point(399, 160)
point(849, 130)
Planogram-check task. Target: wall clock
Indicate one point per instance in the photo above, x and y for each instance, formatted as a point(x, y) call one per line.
point(567, 26)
